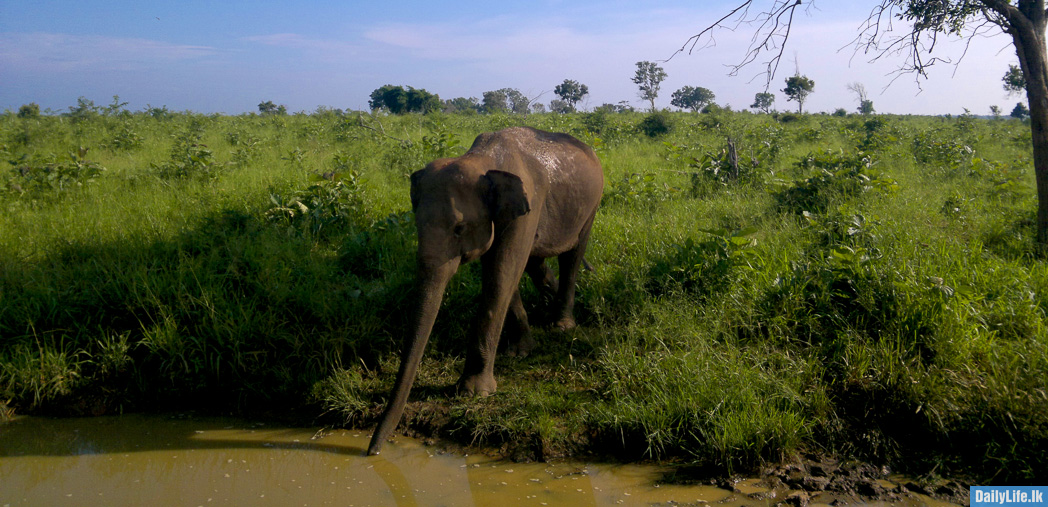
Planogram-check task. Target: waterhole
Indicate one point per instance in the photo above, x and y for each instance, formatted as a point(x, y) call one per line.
point(157, 461)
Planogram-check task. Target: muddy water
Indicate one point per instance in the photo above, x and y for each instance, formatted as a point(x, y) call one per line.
point(158, 461)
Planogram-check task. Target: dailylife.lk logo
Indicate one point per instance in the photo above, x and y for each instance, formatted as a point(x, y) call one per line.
point(1007, 495)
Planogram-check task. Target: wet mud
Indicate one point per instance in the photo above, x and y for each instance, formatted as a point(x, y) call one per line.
point(182, 460)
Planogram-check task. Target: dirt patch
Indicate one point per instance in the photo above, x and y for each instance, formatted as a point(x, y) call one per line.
point(829, 481)
point(826, 481)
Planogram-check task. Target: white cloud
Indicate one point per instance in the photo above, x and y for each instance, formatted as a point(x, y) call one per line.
point(323, 47)
point(57, 52)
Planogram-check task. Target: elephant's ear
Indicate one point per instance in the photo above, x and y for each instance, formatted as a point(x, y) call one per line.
point(504, 193)
point(415, 178)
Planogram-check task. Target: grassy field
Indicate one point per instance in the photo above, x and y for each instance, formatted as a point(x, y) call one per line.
point(863, 286)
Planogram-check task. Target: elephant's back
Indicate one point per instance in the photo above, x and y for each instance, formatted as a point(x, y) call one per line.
point(560, 157)
point(568, 181)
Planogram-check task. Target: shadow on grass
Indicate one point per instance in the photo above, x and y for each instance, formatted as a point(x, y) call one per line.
point(237, 310)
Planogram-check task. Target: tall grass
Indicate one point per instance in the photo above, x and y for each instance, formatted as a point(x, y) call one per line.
point(763, 286)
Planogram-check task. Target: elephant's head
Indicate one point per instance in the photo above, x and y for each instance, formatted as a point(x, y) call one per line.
point(459, 205)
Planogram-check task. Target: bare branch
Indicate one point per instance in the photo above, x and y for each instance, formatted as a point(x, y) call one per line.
point(694, 39)
point(877, 35)
point(773, 28)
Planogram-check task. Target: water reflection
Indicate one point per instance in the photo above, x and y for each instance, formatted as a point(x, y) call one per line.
point(157, 461)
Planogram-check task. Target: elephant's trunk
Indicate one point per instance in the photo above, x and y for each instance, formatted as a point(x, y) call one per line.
point(431, 285)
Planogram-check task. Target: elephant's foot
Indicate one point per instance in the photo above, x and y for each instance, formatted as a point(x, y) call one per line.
point(477, 385)
point(565, 324)
point(519, 345)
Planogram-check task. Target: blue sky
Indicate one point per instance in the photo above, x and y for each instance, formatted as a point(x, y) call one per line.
point(229, 56)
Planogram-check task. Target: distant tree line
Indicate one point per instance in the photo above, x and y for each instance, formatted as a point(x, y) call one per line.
point(648, 77)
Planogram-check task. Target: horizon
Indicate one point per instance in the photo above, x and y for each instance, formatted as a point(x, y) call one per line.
point(213, 59)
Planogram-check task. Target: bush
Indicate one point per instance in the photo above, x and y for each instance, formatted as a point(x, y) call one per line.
point(941, 149)
point(656, 124)
point(50, 177)
point(334, 200)
point(596, 121)
point(704, 267)
point(837, 176)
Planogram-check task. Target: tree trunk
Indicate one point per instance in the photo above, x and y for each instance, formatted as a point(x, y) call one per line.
point(431, 285)
point(1027, 27)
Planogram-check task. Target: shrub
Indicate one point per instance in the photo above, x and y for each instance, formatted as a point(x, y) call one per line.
point(723, 167)
point(596, 121)
point(638, 187)
point(38, 179)
point(189, 159)
point(942, 149)
point(656, 124)
point(837, 175)
point(333, 200)
point(876, 134)
point(705, 267)
point(125, 139)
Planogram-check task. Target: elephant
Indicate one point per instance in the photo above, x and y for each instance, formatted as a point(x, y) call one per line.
point(515, 198)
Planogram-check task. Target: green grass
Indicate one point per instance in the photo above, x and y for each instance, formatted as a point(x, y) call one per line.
point(863, 286)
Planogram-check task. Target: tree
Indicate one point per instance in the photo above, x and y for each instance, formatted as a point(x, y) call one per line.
point(116, 107)
point(518, 103)
point(693, 98)
point(559, 106)
point(462, 105)
point(996, 112)
point(865, 104)
point(648, 78)
point(421, 101)
point(763, 101)
point(506, 100)
point(30, 110)
point(571, 92)
point(398, 100)
point(1022, 20)
point(622, 107)
point(797, 88)
point(269, 108)
point(495, 102)
point(85, 109)
point(1014, 81)
point(1020, 111)
point(388, 97)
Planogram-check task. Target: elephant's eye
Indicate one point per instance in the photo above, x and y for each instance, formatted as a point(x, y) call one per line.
point(458, 229)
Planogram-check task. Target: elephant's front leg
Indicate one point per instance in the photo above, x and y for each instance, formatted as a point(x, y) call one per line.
point(501, 271)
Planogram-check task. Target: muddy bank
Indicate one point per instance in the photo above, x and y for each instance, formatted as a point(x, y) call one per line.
point(809, 479)
point(812, 480)
point(189, 460)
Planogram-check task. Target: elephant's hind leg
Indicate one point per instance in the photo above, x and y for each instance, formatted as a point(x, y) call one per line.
point(542, 276)
point(570, 262)
point(516, 338)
